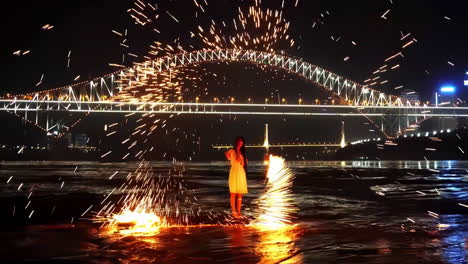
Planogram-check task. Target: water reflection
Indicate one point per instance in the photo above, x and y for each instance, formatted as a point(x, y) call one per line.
point(454, 248)
point(424, 164)
point(234, 244)
point(279, 246)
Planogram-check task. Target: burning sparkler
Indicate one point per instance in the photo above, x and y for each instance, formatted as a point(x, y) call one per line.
point(276, 203)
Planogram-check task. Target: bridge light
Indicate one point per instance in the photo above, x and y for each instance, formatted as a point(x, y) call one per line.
point(232, 99)
point(250, 100)
point(266, 100)
point(283, 100)
point(197, 99)
point(300, 100)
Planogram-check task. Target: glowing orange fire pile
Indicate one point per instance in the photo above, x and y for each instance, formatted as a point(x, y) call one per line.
point(276, 207)
point(138, 223)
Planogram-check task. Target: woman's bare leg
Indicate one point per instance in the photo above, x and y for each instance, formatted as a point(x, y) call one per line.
point(233, 203)
point(239, 203)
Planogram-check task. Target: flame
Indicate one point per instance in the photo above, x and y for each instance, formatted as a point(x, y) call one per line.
point(140, 223)
point(276, 203)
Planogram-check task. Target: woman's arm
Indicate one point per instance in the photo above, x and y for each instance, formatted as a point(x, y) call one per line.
point(228, 154)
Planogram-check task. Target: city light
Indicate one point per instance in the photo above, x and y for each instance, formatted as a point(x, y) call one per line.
point(447, 89)
point(466, 79)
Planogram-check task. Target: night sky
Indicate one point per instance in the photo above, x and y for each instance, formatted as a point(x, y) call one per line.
point(85, 27)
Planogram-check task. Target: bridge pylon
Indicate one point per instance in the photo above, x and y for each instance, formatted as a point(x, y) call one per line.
point(394, 120)
point(266, 143)
point(343, 139)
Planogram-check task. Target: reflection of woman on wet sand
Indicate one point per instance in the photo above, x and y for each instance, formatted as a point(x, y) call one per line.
point(237, 175)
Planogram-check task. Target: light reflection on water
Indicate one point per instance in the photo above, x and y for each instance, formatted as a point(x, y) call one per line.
point(279, 246)
point(234, 244)
point(454, 244)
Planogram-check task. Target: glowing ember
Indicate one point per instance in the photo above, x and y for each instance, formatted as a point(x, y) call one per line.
point(137, 223)
point(276, 203)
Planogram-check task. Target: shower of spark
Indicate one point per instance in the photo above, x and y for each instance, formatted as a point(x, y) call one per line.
point(277, 203)
point(146, 194)
point(256, 28)
point(144, 214)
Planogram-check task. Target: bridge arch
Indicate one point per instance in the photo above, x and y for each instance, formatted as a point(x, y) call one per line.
point(108, 86)
point(352, 92)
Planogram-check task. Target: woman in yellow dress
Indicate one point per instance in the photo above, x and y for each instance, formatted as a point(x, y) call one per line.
point(237, 175)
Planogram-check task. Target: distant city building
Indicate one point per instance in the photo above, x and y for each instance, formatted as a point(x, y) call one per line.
point(443, 97)
point(447, 99)
point(465, 82)
point(77, 140)
point(69, 138)
point(81, 140)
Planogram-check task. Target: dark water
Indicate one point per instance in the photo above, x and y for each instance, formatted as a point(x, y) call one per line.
point(350, 212)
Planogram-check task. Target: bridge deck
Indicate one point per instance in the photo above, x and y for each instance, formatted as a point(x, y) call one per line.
point(226, 109)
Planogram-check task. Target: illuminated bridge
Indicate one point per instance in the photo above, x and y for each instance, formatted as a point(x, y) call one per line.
point(101, 95)
point(34, 105)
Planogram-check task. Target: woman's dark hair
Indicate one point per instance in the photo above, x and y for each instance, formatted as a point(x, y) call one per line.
point(242, 150)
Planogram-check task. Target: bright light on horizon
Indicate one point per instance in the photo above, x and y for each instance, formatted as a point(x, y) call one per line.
point(447, 89)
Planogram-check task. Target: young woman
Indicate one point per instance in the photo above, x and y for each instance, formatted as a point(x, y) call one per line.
point(237, 175)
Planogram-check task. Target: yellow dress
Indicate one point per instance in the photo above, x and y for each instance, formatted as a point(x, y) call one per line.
point(237, 177)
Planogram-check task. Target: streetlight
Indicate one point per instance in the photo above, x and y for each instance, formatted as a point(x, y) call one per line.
point(447, 89)
point(300, 100)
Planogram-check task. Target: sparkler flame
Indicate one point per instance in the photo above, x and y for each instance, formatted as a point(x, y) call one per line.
point(276, 203)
